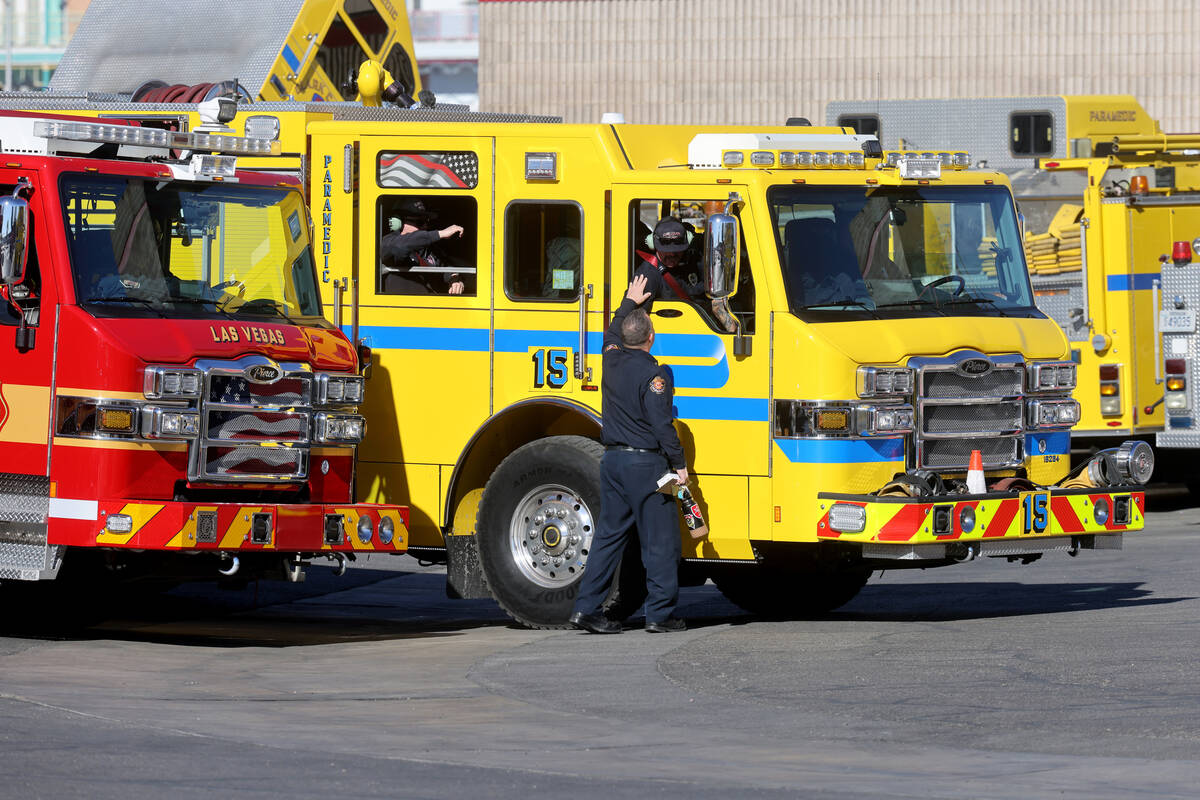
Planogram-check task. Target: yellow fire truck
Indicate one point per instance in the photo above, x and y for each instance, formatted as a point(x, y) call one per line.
point(867, 315)
point(1108, 200)
point(867, 322)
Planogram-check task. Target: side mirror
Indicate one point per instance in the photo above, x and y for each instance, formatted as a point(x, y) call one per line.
point(14, 239)
point(721, 249)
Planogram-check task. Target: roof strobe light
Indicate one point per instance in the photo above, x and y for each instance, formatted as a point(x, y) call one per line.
point(152, 137)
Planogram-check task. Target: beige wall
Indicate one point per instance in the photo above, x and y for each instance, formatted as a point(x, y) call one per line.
point(760, 61)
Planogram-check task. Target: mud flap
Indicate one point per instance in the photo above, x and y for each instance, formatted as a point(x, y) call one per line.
point(24, 509)
point(464, 576)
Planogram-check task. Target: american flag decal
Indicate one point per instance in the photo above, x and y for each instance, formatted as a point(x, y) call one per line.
point(429, 170)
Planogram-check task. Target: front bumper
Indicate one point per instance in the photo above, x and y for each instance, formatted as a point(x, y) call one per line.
point(236, 527)
point(1001, 523)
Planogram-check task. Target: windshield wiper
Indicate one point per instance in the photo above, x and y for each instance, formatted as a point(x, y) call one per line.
point(845, 302)
point(914, 302)
point(970, 299)
point(263, 305)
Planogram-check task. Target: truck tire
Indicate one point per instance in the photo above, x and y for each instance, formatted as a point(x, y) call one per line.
point(535, 524)
point(776, 594)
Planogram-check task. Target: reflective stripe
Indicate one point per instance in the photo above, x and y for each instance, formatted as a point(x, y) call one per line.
point(841, 451)
point(62, 508)
point(1136, 281)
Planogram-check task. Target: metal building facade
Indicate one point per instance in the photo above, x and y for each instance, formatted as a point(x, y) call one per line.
point(761, 61)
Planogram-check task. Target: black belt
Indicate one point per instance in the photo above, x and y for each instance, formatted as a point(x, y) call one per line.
point(632, 449)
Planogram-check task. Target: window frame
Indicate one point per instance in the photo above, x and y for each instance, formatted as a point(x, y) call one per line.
point(504, 271)
point(1031, 115)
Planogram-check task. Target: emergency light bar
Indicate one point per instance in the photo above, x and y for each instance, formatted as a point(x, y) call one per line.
point(928, 164)
point(711, 150)
point(135, 136)
point(788, 159)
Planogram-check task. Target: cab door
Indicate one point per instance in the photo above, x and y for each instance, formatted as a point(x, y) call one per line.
point(26, 366)
point(549, 281)
point(721, 398)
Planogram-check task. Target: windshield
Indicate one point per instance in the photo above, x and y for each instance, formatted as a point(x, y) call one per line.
point(888, 250)
point(169, 248)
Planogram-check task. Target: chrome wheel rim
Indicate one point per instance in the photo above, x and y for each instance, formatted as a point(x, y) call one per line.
point(550, 535)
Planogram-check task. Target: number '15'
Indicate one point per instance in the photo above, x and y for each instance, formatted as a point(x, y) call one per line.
point(550, 368)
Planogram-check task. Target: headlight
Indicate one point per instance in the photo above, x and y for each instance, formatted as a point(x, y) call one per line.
point(1052, 413)
point(387, 530)
point(1051, 376)
point(847, 518)
point(171, 382)
point(340, 428)
point(366, 528)
point(170, 423)
point(334, 390)
point(884, 381)
point(879, 420)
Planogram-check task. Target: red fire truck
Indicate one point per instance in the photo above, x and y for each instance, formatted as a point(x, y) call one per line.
point(173, 405)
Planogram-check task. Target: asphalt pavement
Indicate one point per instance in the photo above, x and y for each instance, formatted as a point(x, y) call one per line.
point(1069, 677)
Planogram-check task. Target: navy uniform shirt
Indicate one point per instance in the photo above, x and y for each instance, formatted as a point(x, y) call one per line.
point(396, 249)
point(637, 394)
point(660, 289)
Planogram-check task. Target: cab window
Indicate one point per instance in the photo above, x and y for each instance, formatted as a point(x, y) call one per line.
point(543, 251)
point(686, 277)
point(426, 244)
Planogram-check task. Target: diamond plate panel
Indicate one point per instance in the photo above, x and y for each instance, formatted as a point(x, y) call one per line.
point(978, 125)
point(24, 498)
point(1185, 285)
point(118, 43)
point(1057, 296)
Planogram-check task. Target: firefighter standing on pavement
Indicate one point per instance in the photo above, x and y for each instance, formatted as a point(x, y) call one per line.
point(640, 446)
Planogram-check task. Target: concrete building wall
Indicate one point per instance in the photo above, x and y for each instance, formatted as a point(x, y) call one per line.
point(761, 61)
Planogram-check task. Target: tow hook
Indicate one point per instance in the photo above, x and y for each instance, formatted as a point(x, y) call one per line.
point(293, 570)
point(234, 564)
point(340, 565)
point(961, 552)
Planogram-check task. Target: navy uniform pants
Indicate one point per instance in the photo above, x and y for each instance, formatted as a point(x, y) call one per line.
point(628, 497)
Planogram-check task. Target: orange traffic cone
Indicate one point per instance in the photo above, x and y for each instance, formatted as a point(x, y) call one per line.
point(975, 482)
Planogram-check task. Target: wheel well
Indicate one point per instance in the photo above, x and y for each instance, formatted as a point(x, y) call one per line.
point(507, 430)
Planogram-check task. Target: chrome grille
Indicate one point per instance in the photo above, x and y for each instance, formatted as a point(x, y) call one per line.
point(979, 418)
point(254, 431)
point(943, 384)
point(958, 413)
point(954, 454)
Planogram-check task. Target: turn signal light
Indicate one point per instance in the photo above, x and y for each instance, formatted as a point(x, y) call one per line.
point(833, 420)
point(1108, 389)
point(116, 420)
point(1175, 384)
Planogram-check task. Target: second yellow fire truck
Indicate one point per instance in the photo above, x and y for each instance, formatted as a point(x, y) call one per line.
point(867, 322)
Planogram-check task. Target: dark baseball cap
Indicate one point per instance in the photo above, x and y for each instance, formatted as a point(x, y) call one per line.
point(670, 236)
point(413, 211)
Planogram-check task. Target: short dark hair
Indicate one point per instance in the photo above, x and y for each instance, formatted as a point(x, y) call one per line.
point(636, 328)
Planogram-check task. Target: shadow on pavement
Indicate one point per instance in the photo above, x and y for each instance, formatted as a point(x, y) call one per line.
point(364, 605)
point(940, 602)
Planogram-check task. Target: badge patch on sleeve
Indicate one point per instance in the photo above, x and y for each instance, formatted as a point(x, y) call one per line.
point(610, 347)
point(658, 385)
